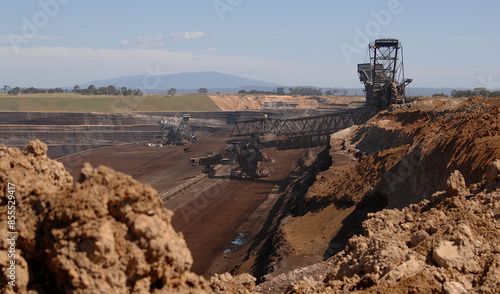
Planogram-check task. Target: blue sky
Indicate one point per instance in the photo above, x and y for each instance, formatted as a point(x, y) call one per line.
point(52, 43)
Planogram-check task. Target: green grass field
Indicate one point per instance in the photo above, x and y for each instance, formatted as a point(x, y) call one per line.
point(87, 103)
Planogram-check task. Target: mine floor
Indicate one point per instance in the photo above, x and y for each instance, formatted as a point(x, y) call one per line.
point(208, 214)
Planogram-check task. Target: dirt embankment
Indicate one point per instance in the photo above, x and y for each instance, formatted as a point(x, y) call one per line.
point(268, 251)
point(256, 102)
point(405, 155)
point(448, 243)
point(395, 160)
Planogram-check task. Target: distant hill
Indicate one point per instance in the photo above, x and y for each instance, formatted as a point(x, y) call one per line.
point(190, 81)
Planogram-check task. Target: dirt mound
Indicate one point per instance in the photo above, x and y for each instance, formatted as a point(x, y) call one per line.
point(236, 102)
point(449, 243)
point(107, 233)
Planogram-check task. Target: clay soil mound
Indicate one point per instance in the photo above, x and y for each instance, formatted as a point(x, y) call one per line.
point(105, 234)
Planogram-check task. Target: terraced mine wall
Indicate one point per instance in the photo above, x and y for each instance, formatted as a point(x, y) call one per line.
point(70, 132)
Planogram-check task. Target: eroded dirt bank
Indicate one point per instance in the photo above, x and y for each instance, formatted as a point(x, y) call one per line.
point(396, 160)
point(448, 243)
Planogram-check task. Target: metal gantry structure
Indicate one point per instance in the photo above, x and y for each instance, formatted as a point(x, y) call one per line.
point(282, 134)
point(299, 132)
point(175, 131)
point(383, 76)
point(384, 82)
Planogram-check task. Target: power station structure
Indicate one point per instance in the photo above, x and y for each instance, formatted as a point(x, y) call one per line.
point(283, 134)
point(175, 131)
point(383, 76)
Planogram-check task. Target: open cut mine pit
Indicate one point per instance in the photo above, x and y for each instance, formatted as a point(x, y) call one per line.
point(407, 202)
point(209, 219)
point(208, 213)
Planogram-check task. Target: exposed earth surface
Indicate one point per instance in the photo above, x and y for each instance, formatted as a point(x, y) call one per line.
point(408, 202)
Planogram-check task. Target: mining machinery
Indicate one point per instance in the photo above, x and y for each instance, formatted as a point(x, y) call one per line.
point(384, 83)
point(383, 76)
point(175, 131)
point(247, 152)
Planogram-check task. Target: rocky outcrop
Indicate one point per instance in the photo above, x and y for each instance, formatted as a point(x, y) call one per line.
point(448, 243)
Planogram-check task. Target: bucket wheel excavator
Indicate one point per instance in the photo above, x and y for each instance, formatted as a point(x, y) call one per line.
point(255, 135)
point(383, 76)
point(384, 82)
point(175, 131)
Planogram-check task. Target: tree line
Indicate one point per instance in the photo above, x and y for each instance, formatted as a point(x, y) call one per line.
point(481, 92)
point(31, 90)
point(91, 90)
point(300, 91)
point(109, 90)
